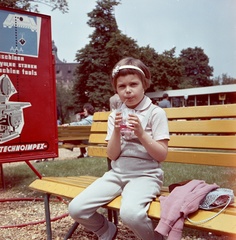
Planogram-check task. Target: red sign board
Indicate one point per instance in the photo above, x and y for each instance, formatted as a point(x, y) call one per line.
point(28, 119)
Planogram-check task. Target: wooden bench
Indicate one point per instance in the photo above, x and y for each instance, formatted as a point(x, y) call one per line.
point(204, 135)
point(73, 136)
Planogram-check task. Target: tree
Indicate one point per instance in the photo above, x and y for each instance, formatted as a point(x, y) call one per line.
point(170, 71)
point(95, 61)
point(224, 79)
point(165, 68)
point(149, 56)
point(196, 69)
point(93, 68)
point(64, 101)
point(31, 5)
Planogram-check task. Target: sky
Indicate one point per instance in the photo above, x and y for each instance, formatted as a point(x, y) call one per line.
point(161, 24)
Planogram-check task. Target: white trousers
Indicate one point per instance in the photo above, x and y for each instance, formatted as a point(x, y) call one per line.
point(137, 191)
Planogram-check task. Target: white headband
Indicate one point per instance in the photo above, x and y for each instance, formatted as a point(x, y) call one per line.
point(118, 68)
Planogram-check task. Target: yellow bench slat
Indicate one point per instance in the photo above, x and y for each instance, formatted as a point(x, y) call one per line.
point(73, 132)
point(223, 223)
point(81, 181)
point(97, 151)
point(203, 126)
point(97, 138)
point(212, 142)
point(202, 158)
point(55, 188)
point(101, 116)
point(214, 111)
point(99, 127)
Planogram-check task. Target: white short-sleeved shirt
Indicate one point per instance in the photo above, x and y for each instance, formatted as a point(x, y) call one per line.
point(134, 156)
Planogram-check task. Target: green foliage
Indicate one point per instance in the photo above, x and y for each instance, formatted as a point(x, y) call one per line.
point(31, 5)
point(169, 71)
point(24, 5)
point(224, 79)
point(93, 71)
point(196, 71)
point(65, 101)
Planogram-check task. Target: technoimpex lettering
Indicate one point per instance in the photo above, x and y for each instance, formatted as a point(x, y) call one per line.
point(23, 147)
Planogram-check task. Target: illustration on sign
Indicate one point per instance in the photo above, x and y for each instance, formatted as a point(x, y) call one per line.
point(20, 34)
point(11, 116)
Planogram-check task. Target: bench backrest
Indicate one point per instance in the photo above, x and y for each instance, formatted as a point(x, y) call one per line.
point(199, 135)
point(66, 133)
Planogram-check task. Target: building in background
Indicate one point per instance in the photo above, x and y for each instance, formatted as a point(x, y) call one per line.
point(64, 71)
point(214, 95)
point(64, 81)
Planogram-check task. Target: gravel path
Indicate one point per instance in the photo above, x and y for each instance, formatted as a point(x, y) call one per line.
point(29, 212)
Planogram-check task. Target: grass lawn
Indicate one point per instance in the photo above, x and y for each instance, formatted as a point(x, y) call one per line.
point(20, 176)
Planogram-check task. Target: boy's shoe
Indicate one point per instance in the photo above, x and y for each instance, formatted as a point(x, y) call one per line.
point(111, 232)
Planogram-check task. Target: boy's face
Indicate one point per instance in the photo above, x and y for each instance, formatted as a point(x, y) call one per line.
point(130, 90)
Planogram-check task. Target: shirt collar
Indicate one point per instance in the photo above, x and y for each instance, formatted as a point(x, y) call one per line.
point(144, 104)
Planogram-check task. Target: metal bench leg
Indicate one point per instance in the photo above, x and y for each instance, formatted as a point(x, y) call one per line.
point(71, 230)
point(115, 216)
point(109, 214)
point(112, 216)
point(47, 216)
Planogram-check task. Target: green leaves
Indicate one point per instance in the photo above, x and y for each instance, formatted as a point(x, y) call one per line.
point(30, 5)
point(196, 67)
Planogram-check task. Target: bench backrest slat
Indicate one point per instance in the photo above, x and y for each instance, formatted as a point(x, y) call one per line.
point(202, 158)
point(97, 138)
point(101, 116)
point(99, 127)
point(213, 111)
point(203, 126)
point(73, 132)
point(211, 142)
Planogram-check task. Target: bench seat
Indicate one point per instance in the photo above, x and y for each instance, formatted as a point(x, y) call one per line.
point(70, 187)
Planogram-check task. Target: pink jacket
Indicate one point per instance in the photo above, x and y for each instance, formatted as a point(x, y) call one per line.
point(178, 204)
